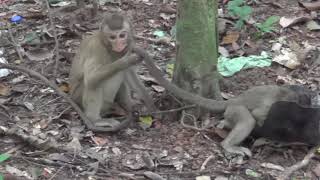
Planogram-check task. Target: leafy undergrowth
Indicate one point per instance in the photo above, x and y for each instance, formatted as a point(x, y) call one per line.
point(166, 148)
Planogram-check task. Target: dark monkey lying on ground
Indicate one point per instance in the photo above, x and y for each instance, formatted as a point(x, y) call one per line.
point(101, 74)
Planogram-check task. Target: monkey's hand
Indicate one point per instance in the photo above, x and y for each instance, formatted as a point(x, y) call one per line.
point(237, 150)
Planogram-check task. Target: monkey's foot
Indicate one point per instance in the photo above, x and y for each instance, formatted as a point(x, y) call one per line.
point(111, 122)
point(238, 150)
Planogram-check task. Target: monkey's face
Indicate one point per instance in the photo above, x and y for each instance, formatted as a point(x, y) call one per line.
point(116, 32)
point(118, 40)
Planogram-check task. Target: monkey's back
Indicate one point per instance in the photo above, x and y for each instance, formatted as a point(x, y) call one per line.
point(91, 55)
point(289, 121)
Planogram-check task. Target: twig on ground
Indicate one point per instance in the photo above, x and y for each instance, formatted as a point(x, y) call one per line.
point(49, 143)
point(153, 176)
point(56, 47)
point(306, 160)
point(111, 172)
point(203, 166)
point(169, 111)
point(60, 114)
point(45, 162)
point(6, 111)
point(16, 148)
point(15, 44)
point(194, 127)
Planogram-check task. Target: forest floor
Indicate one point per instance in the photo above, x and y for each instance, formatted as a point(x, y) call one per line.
point(166, 147)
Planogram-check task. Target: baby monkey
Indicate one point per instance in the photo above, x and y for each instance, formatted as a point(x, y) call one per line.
point(93, 87)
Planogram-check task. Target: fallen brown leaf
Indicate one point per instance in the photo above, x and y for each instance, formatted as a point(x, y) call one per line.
point(64, 87)
point(4, 90)
point(231, 37)
point(100, 141)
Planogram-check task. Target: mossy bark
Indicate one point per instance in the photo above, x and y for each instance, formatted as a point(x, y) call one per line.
point(197, 48)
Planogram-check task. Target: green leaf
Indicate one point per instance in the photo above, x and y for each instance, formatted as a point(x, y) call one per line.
point(239, 24)
point(234, 3)
point(4, 157)
point(252, 173)
point(1, 177)
point(245, 12)
point(268, 24)
point(159, 33)
point(54, 1)
point(271, 20)
point(173, 31)
point(169, 69)
point(145, 121)
point(31, 38)
point(239, 9)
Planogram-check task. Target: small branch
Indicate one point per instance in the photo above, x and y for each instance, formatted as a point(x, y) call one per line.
point(16, 148)
point(49, 143)
point(153, 176)
point(56, 47)
point(169, 111)
point(306, 160)
point(194, 127)
point(203, 166)
point(59, 115)
point(15, 44)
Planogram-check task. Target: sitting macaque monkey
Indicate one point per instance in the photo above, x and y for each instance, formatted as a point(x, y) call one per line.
point(93, 85)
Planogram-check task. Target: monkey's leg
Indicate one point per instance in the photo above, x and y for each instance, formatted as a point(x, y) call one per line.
point(124, 99)
point(77, 93)
point(243, 123)
point(96, 100)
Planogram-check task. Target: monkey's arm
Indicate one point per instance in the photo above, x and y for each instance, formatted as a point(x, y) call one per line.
point(106, 71)
point(240, 120)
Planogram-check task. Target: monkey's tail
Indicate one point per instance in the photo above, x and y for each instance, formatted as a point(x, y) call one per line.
point(213, 105)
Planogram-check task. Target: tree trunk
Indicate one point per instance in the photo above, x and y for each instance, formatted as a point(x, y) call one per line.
point(197, 49)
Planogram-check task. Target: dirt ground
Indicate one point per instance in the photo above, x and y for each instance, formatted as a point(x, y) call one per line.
point(166, 148)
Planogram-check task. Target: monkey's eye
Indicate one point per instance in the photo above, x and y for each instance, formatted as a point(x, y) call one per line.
point(122, 35)
point(112, 37)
